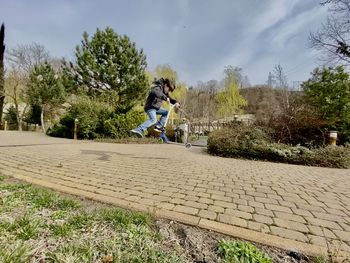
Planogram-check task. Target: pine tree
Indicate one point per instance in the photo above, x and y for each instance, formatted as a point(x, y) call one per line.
point(45, 89)
point(110, 66)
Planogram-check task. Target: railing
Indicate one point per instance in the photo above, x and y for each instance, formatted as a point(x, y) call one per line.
point(203, 128)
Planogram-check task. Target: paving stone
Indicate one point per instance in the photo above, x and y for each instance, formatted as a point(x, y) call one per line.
point(258, 227)
point(302, 212)
point(217, 209)
point(207, 214)
point(290, 234)
point(238, 213)
point(186, 209)
point(196, 205)
point(291, 225)
point(323, 223)
point(206, 201)
point(289, 216)
point(232, 220)
point(317, 240)
point(278, 208)
point(246, 208)
point(343, 235)
point(263, 219)
point(329, 217)
point(221, 198)
point(256, 204)
point(265, 212)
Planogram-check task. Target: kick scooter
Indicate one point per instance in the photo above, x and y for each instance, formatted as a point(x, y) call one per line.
point(163, 136)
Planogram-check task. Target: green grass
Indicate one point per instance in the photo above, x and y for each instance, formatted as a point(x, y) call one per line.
point(25, 227)
point(2, 177)
point(58, 215)
point(81, 220)
point(122, 218)
point(320, 259)
point(31, 217)
point(41, 198)
point(17, 252)
point(241, 252)
point(61, 230)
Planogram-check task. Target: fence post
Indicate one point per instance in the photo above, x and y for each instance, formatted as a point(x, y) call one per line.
point(333, 137)
point(5, 127)
point(76, 129)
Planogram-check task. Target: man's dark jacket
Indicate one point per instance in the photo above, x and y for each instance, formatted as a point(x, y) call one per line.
point(157, 96)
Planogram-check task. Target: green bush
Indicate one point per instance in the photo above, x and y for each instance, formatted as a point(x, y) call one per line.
point(90, 114)
point(250, 143)
point(11, 117)
point(239, 251)
point(63, 129)
point(329, 156)
point(33, 115)
point(237, 141)
point(120, 125)
point(96, 119)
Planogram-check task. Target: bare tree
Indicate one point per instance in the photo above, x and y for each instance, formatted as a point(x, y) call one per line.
point(235, 74)
point(26, 57)
point(282, 84)
point(280, 77)
point(200, 100)
point(333, 38)
point(271, 82)
point(262, 101)
point(22, 60)
point(14, 91)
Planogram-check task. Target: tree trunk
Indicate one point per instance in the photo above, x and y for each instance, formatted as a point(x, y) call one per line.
point(19, 120)
point(2, 84)
point(42, 119)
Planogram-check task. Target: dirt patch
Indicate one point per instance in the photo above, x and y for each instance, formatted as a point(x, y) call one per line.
point(200, 245)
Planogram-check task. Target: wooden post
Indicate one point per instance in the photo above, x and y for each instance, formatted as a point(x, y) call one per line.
point(76, 129)
point(5, 127)
point(333, 137)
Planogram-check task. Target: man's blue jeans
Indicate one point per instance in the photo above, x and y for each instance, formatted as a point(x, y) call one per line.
point(152, 115)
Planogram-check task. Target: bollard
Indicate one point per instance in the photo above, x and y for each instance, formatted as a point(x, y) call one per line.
point(333, 135)
point(5, 127)
point(76, 129)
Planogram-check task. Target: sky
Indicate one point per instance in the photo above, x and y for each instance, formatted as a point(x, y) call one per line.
point(197, 38)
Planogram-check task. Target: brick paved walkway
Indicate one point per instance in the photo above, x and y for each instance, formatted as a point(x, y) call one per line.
point(283, 205)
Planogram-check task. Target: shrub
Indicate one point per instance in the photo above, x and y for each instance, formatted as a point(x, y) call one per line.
point(329, 156)
point(299, 127)
point(96, 119)
point(253, 143)
point(237, 141)
point(11, 117)
point(90, 114)
point(120, 124)
point(64, 129)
